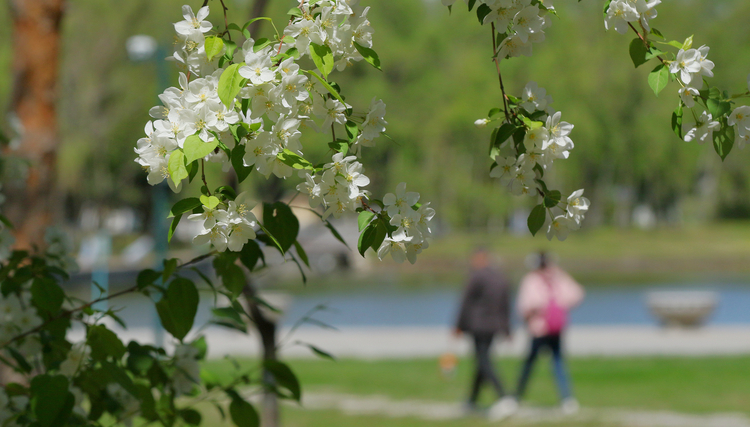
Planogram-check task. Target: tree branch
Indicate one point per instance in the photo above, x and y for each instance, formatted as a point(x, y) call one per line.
point(67, 313)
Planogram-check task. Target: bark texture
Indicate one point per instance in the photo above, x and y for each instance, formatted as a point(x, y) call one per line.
point(266, 327)
point(33, 202)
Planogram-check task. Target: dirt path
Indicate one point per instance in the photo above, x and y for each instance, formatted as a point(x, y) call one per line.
point(432, 410)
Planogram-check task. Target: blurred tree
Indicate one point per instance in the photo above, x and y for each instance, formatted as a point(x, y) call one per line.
point(33, 202)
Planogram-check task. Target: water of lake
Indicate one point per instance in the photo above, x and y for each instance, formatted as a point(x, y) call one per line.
point(617, 305)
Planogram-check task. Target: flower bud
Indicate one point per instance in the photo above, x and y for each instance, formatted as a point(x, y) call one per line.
point(481, 123)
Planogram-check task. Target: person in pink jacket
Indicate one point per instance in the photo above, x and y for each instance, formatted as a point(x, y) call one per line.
point(545, 297)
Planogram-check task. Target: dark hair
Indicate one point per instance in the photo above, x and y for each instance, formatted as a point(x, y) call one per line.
point(543, 259)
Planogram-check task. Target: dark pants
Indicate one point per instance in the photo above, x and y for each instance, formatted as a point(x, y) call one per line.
point(552, 342)
point(484, 369)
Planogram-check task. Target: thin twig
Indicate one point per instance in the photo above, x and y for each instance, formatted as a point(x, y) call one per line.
point(67, 313)
point(226, 22)
point(203, 176)
point(499, 75)
point(645, 42)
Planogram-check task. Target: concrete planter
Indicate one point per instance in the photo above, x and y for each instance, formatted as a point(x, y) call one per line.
point(682, 308)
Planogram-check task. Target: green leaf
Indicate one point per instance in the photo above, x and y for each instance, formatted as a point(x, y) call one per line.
point(675, 43)
point(243, 414)
point(104, 343)
point(471, 4)
point(318, 352)
point(302, 254)
point(6, 222)
point(281, 222)
point(178, 307)
point(176, 166)
point(190, 416)
point(23, 364)
point(240, 169)
point(653, 53)
point(677, 121)
point(250, 254)
point(47, 295)
point(367, 238)
point(493, 112)
point(231, 274)
point(268, 239)
point(290, 158)
point(638, 52)
point(364, 219)
point(173, 227)
point(552, 198)
point(213, 46)
point(51, 402)
point(328, 87)
point(295, 12)
point(261, 43)
point(351, 130)
point(718, 108)
point(504, 132)
point(724, 140)
point(210, 202)
point(170, 266)
point(230, 84)
point(482, 11)
point(147, 278)
point(340, 146)
point(184, 205)
point(194, 148)
point(284, 377)
point(657, 33)
point(536, 219)
point(234, 319)
point(335, 233)
point(658, 78)
point(322, 57)
point(688, 43)
point(370, 56)
point(531, 124)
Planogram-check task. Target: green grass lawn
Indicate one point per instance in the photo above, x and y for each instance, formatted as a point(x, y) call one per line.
point(690, 385)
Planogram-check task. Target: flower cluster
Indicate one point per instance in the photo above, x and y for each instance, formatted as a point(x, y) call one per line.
point(246, 108)
point(740, 119)
point(17, 316)
point(571, 218)
point(623, 13)
point(226, 225)
point(338, 187)
point(522, 22)
point(411, 222)
point(520, 166)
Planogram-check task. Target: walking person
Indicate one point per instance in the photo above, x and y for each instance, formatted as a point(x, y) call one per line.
point(484, 313)
point(545, 297)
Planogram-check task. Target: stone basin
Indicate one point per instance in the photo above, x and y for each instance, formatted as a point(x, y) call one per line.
point(682, 308)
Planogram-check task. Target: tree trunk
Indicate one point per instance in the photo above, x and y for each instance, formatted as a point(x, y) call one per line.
point(33, 202)
point(267, 330)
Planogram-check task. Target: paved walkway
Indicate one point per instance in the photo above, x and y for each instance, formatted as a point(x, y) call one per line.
point(410, 342)
point(431, 410)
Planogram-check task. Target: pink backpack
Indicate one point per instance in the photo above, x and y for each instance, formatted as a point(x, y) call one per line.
point(555, 315)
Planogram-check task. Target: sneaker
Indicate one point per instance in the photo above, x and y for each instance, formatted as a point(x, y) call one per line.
point(503, 409)
point(570, 406)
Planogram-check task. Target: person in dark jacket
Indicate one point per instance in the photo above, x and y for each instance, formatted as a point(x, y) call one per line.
point(484, 313)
